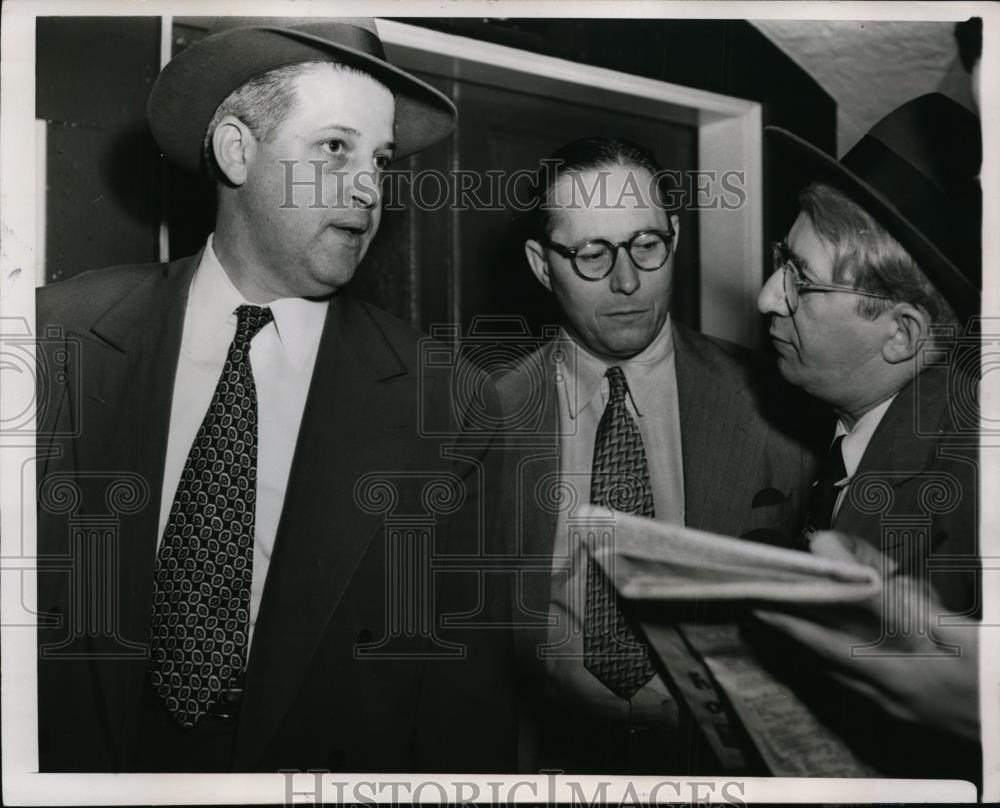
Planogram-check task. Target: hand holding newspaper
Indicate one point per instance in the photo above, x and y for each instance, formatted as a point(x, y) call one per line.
point(652, 561)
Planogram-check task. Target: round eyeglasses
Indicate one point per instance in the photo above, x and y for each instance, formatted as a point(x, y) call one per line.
point(594, 260)
point(795, 285)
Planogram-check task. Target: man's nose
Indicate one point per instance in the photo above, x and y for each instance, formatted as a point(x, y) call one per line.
point(624, 275)
point(365, 188)
point(771, 298)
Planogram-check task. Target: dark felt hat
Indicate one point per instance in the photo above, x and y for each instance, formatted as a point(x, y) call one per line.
point(192, 85)
point(916, 172)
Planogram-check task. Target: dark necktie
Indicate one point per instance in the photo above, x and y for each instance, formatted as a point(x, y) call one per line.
point(620, 481)
point(204, 567)
point(825, 491)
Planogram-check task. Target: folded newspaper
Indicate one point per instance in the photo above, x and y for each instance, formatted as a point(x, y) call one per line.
point(710, 663)
point(651, 560)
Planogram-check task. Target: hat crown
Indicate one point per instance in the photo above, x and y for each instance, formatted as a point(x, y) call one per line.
point(916, 172)
point(191, 86)
point(358, 33)
point(312, 24)
point(937, 136)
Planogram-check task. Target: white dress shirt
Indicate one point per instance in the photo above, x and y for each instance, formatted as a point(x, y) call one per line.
point(652, 402)
point(282, 356)
point(855, 445)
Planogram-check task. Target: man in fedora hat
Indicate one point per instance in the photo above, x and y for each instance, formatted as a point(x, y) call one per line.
point(264, 598)
point(870, 298)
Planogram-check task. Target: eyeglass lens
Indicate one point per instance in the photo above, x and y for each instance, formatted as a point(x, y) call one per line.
point(791, 289)
point(647, 250)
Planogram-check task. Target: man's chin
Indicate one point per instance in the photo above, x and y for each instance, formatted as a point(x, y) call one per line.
point(325, 281)
point(628, 339)
point(626, 349)
point(789, 369)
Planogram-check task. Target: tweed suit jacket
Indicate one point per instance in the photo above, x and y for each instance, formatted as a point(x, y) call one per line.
point(748, 456)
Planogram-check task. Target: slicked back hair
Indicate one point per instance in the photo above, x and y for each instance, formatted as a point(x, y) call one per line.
point(585, 154)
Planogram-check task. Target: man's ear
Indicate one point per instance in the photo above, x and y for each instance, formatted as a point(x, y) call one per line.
point(234, 146)
point(539, 265)
point(675, 223)
point(909, 325)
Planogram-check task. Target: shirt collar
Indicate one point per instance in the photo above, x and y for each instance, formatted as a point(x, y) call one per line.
point(583, 378)
point(212, 305)
point(856, 440)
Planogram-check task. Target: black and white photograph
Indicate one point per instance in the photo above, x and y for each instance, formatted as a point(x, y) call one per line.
point(499, 402)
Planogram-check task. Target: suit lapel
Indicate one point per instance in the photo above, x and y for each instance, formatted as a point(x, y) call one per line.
point(537, 468)
point(712, 443)
point(129, 360)
point(897, 452)
point(540, 530)
point(359, 397)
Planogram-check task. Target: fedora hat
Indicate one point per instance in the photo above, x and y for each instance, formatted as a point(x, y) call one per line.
point(916, 172)
point(191, 86)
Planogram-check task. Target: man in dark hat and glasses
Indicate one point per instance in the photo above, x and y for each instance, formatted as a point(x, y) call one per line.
point(252, 429)
point(872, 300)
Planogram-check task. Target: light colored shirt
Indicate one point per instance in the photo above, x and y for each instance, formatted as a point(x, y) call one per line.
point(652, 402)
point(282, 356)
point(855, 444)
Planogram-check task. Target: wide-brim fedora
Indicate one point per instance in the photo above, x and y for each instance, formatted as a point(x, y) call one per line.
point(916, 172)
point(191, 86)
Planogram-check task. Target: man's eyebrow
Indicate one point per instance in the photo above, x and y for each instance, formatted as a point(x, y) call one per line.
point(801, 264)
point(350, 130)
point(347, 130)
point(389, 145)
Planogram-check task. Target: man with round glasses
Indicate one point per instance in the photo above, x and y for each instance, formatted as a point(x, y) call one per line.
point(639, 414)
point(594, 260)
point(870, 302)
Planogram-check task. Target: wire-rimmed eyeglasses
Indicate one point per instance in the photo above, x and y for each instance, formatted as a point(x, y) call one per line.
point(594, 259)
point(794, 284)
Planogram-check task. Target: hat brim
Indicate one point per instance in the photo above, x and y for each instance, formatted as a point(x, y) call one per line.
point(804, 161)
point(192, 85)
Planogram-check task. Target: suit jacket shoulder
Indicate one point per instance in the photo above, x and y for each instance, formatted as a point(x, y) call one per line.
point(530, 377)
point(716, 353)
point(76, 302)
point(437, 361)
point(733, 404)
point(404, 339)
point(783, 406)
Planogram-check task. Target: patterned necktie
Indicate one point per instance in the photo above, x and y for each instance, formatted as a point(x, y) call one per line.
point(204, 567)
point(620, 481)
point(825, 491)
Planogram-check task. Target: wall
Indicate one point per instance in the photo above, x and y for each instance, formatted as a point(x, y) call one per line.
point(106, 206)
point(871, 67)
point(103, 192)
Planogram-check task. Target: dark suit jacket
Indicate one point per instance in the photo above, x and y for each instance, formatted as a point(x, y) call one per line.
point(341, 675)
point(915, 493)
point(915, 497)
point(746, 469)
